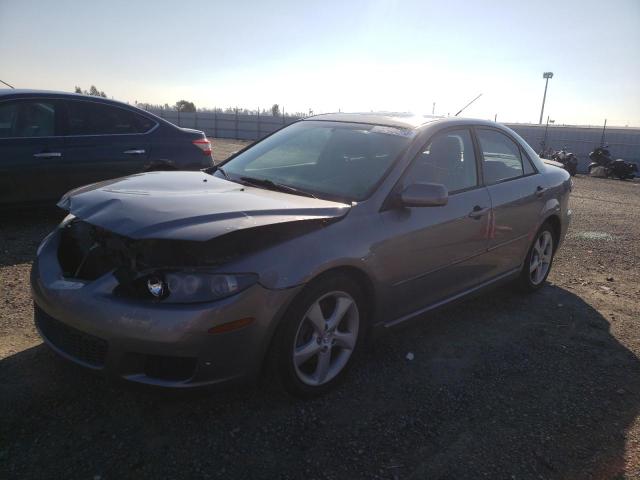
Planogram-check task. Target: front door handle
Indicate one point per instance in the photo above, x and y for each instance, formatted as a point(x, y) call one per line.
point(134, 151)
point(478, 211)
point(47, 155)
point(540, 191)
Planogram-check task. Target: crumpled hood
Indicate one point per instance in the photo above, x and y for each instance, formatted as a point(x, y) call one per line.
point(188, 206)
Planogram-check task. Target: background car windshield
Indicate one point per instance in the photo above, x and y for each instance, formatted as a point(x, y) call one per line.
point(334, 159)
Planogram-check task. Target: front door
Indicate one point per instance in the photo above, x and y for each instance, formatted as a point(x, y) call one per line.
point(433, 253)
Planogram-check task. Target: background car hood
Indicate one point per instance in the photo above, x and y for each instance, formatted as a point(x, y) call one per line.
point(188, 206)
point(552, 162)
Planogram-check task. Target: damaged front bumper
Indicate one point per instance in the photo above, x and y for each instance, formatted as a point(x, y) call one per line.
point(152, 343)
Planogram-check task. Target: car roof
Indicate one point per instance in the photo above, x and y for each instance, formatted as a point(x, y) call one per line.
point(23, 92)
point(399, 120)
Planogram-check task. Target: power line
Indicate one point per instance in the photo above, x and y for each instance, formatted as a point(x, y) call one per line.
point(10, 86)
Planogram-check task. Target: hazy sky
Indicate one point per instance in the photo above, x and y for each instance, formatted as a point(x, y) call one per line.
point(328, 55)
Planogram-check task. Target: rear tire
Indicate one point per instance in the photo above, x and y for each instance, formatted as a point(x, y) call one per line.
point(537, 264)
point(320, 335)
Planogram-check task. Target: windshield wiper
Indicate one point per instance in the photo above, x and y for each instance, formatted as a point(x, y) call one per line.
point(271, 185)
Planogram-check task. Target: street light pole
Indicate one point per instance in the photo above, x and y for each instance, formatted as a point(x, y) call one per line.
point(544, 141)
point(547, 76)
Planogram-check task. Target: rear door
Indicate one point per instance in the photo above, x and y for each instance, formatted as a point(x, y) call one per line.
point(103, 142)
point(517, 196)
point(31, 150)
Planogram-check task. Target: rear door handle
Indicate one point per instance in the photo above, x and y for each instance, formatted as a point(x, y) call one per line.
point(47, 155)
point(478, 211)
point(540, 191)
point(134, 151)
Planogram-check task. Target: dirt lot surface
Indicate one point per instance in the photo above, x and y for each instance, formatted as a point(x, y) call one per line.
point(223, 148)
point(503, 386)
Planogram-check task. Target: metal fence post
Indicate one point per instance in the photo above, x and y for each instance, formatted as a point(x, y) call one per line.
point(259, 134)
point(237, 122)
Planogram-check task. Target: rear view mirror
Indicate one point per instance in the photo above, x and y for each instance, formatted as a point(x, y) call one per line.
point(424, 195)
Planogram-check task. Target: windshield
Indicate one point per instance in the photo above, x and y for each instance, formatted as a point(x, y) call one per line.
point(326, 159)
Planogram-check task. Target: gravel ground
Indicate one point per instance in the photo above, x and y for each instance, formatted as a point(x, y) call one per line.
point(501, 386)
point(223, 148)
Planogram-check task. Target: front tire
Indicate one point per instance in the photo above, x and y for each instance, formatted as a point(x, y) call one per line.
point(321, 333)
point(539, 259)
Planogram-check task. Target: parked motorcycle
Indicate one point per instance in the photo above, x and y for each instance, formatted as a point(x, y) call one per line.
point(568, 159)
point(601, 162)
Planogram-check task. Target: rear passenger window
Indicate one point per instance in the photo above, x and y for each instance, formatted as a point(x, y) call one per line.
point(447, 159)
point(23, 119)
point(502, 159)
point(91, 118)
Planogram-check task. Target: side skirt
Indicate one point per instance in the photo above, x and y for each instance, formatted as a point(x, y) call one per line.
point(458, 296)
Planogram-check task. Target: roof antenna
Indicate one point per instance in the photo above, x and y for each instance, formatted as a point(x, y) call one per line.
point(10, 86)
point(460, 111)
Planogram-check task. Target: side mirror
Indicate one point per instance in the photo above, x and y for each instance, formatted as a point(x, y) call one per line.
point(424, 195)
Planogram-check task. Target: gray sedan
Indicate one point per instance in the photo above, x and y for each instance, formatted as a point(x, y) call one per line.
point(286, 256)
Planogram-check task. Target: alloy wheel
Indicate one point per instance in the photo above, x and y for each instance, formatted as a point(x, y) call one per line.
point(541, 257)
point(326, 338)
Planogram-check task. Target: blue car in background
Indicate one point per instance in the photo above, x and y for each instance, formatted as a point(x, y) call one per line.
point(52, 142)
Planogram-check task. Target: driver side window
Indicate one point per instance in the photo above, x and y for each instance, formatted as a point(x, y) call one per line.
point(448, 159)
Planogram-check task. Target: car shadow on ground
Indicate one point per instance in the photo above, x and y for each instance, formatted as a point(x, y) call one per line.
point(501, 386)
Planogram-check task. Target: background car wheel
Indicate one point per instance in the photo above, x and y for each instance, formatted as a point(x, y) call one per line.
point(538, 263)
point(320, 336)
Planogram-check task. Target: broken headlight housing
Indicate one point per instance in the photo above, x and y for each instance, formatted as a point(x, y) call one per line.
point(196, 287)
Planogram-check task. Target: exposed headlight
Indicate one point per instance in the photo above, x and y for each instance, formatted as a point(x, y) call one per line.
point(195, 287)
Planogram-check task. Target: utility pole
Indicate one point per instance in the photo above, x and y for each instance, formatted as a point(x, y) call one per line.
point(546, 76)
point(433, 109)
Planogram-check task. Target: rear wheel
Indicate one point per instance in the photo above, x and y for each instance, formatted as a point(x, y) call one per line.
point(537, 265)
point(320, 335)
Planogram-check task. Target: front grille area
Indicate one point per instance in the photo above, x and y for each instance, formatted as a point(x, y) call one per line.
point(77, 344)
point(169, 368)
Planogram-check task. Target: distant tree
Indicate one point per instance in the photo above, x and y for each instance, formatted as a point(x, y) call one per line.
point(95, 92)
point(185, 106)
point(275, 110)
point(92, 91)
